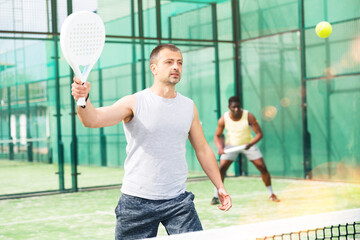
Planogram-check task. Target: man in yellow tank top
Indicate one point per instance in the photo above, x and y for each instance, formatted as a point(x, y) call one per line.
point(238, 124)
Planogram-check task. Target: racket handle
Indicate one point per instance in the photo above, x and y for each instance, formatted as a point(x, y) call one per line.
point(81, 102)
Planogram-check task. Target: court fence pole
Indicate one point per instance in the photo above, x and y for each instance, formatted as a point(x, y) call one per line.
point(237, 67)
point(158, 21)
point(11, 144)
point(327, 98)
point(57, 92)
point(28, 123)
point(74, 140)
point(141, 35)
point(306, 134)
point(216, 60)
point(103, 146)
point(134, 61)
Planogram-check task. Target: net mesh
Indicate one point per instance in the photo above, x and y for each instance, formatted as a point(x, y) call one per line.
point(336, 232)
point(326, 226)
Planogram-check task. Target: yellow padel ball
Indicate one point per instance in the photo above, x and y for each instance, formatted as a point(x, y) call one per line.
point(323, 29)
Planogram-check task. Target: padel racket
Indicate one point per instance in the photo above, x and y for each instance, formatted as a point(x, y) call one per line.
point(82, 39)
point(235, 149)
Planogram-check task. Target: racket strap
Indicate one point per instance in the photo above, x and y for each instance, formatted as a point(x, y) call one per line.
point(87, 97)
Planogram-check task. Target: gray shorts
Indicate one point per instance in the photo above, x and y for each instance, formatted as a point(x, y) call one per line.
point(138, 218)
point(252, 153)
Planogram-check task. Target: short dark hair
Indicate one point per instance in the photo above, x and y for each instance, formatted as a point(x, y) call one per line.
point(157, 49)
point(234, 99)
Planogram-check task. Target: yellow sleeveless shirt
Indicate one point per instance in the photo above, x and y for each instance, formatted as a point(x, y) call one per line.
point(238, 132)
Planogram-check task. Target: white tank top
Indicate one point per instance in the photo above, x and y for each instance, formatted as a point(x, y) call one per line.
point(155, 167)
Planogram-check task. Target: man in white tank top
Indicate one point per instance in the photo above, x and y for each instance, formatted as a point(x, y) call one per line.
point(238, 124)
point(157, 123)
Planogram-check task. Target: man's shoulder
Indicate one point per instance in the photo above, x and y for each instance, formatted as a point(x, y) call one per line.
point(226, 114)
point(141, 92)
point(224, 117)
point(221, 120)
point(184, 98)
point(248, 113)
point(130, 97)
point(128, 100)
point(245, 110)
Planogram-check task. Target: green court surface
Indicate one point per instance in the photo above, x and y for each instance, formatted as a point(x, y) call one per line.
point(90, 215)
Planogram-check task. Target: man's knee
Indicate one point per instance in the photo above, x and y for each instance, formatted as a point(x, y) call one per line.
point(263, 169)
point(223, 169)
point(225, 164)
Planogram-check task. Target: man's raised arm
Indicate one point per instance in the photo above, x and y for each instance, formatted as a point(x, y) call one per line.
point(122, 110)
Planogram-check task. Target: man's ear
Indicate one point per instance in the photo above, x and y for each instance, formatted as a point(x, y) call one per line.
point(153, 68)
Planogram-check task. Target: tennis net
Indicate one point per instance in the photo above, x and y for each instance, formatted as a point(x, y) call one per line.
point(342, 225)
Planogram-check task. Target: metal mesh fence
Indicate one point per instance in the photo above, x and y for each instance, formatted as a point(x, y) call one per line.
point(312, 137)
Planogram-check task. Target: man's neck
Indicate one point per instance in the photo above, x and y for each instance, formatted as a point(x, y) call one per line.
point(165, 91)
point(236, 117)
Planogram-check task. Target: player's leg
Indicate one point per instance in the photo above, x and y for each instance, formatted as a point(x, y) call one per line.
point(255, 156)
point(179, 214)
point(226, 160)
point(265, 175)
point(135, 218)
point(261, 166)
point(224, 166)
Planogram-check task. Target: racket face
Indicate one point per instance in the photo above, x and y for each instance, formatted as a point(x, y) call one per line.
point(82, 38)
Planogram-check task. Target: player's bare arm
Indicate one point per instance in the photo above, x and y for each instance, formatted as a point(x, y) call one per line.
point(218, 138)
point(256, 128)
point(122, 110)
point(207, 160)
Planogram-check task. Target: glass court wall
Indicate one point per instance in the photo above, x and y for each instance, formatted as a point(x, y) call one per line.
point(303, 90)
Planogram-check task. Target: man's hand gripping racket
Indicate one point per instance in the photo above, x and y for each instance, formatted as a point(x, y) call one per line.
point(82, 39)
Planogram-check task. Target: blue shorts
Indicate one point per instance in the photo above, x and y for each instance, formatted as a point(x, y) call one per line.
point(138, 218)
